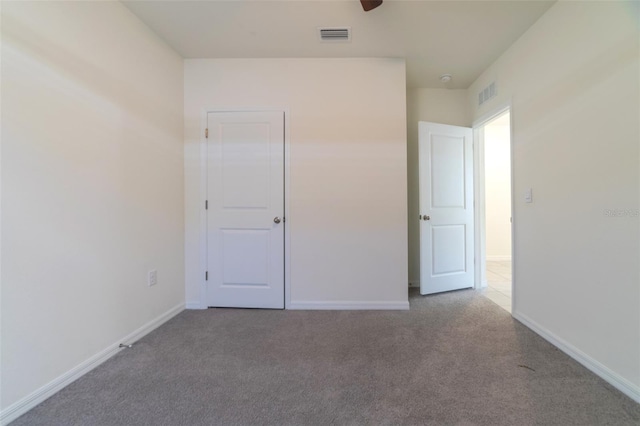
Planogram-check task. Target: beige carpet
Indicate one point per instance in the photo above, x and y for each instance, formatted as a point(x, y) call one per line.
point(453, 359)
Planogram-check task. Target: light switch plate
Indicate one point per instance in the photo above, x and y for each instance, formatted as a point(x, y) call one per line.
point(152, 277)
point(528, 196)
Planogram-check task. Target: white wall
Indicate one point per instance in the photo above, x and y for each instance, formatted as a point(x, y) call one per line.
point(497, 183)
point(573, 80)
point(438, 106)
point(92, 186)
point(348, 217)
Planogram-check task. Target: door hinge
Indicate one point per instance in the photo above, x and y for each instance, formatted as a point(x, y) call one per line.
point(206, 204)
point(206, 275)
point(206, 133)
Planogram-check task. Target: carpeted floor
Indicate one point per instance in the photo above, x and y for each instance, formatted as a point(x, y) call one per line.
point(453, 359)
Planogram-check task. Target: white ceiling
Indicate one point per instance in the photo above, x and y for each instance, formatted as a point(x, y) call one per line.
point(458, 37)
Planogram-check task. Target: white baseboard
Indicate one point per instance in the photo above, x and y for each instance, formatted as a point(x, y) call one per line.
point(498, 258)
point(20, 407)
point(613, 378)
point(349, 305)
point(415, 283)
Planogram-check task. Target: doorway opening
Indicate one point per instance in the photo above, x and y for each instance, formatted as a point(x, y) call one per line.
point(495, 209)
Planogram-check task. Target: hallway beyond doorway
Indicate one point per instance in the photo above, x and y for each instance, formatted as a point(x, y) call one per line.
point(498, 288)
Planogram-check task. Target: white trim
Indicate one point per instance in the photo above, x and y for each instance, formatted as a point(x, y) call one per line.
point(202, 235)
point(194, 305)
point(343, 305)
point(25, 404)
point(287, 209)
point(479, 221)
point(611, 377)
point(498, 258)
point(203, 197)
point(414, 283)
point(493, 113)
point(513, 209)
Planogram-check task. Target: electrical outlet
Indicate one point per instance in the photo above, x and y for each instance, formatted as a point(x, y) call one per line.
point(152, 277)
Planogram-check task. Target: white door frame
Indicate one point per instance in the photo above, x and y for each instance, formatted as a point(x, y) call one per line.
point(480, 217)
point(203, 249)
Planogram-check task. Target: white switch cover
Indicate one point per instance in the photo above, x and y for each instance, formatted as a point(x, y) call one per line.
point(528, 198)
point(153, 277)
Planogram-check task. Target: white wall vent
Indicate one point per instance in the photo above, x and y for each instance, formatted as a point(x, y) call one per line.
point(487, 93)
point(335, 34)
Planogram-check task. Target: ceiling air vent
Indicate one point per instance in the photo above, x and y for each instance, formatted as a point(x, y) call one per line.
point(335, 34)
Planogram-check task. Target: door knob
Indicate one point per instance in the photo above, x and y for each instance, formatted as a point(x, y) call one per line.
point(425, 217)
point(276, 219)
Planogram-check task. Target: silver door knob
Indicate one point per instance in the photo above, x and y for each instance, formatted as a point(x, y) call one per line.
point(425, 217)
point(276, 219)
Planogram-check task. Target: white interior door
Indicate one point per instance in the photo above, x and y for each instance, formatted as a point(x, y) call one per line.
point(446, 207)
point(245, 222)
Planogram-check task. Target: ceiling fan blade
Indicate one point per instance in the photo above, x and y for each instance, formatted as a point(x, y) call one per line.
point(368, 5)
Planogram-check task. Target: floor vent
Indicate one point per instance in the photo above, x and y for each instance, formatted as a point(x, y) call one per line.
point(487, 93)
point(335, 34)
